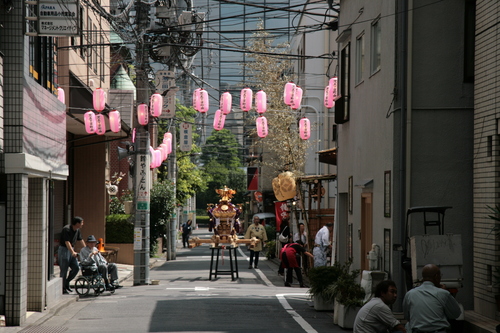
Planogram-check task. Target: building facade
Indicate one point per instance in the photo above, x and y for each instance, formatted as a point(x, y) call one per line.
point(405, 127)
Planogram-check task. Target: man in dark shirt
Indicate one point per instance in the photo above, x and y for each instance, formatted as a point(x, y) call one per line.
point(67, 255)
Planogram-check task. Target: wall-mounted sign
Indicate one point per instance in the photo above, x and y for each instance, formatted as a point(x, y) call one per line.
point(58, 18)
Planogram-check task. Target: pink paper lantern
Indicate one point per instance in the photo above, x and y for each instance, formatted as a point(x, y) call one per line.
point(100, 127)
point(158, 158)
point(327, 99)
point(133, 135)
point(196, 98)
point(156, 104)
point(289, 94)
point(297, 100)
point(152, 155)
point(90, 124)
point(219, 120)
point(333, 88)
point(305, 128)
point(114, 121)
point(202, 101)
point(168, 142)
point(261, 126)
point(246, 97)
point(60, 95)
point(99, 99)
point(261, 101)
point(226, 101)
point(142, 114)
point(164, 150)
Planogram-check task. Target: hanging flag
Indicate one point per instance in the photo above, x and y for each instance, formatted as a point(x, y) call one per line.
point(252, 178)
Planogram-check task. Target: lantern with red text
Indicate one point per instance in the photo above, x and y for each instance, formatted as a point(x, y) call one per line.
point(114, 121)
point(327, 99)
point(219, 120)
point(201, 101)
point(261, 101)
point(226, 101)
point(60, 95)
point(142, 114)
point(246, 97)
point(261, 126)
point(196, 97)
point(305, 128)
point(289, 94)
point(297, 100)
point(99, 99)
point(100, 124)
point(333, 87)
point(156, 104)
point(90, 124)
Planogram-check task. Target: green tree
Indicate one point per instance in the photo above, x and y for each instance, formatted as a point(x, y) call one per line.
point(162, 203)
point(222, 163)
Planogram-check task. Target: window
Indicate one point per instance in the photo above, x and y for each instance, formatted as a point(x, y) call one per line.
point(43, 61)
point(360, 56)
point(375, 46)
point(342, 104)
point(469, 40)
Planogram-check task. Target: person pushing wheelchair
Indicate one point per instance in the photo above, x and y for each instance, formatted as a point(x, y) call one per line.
point(90, 255)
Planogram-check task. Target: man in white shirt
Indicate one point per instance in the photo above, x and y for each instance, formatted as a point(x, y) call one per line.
point(322, 244)
point(90, 255)
point(376, 316)
point(429, 306)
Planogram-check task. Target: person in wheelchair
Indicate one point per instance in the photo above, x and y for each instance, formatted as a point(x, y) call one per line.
point(90, 256)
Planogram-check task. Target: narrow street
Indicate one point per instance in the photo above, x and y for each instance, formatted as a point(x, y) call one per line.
point(185, 300)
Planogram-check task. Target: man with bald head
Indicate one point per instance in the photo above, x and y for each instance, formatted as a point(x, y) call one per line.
point(429, 306)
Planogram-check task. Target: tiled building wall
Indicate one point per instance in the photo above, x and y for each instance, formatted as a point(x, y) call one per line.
point(1, 101)
point(37, 244)
point(486, 154)
point(16, 247)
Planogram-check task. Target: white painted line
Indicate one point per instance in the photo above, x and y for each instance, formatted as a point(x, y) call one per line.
point(262, 276)
point(301, 321)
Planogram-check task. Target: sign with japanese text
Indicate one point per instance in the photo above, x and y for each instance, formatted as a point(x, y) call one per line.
point(281, 211)
point(186, 137)
point(58, 18)
point(142, 182)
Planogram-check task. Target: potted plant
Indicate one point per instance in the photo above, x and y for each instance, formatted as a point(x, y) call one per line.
point(271, 249)
point(348, 296)
point(321, 280)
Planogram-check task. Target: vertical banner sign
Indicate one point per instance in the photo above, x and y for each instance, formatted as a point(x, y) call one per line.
point(58, 18)
point(281, 211)
point(252, 178)
point(186, 137)
point(142, 183)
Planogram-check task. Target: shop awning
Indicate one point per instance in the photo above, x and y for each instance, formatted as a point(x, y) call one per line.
point(328, 156)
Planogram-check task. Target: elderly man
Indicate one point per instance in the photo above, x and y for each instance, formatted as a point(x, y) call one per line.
point(429, 306)
point(90, 255)
point(376, 316)
point(322, 244)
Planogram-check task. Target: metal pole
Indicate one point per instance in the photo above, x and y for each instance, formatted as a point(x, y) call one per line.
point(142, 176)
point(173, 178)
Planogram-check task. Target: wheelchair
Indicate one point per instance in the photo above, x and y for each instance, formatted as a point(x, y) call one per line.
point(90, 279)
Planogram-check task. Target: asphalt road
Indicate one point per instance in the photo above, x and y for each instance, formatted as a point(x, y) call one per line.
point(185, 300)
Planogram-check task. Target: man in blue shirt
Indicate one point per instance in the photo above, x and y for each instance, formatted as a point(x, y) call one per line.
point(429, 306)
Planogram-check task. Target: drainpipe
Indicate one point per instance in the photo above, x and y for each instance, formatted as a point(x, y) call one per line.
point(318, 132)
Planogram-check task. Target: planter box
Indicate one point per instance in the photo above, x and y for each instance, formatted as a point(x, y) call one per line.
point(321, 305)
point(346, 315)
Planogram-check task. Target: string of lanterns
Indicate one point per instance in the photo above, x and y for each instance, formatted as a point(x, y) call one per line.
point(292, 97)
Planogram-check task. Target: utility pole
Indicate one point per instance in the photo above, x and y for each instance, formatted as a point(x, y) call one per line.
point(142, 176)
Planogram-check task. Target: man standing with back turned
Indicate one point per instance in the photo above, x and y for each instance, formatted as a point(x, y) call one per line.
point(429, 306)
point(322, 244)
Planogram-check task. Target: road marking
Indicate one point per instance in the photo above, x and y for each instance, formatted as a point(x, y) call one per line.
point(259, 272)
point(301, 321)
